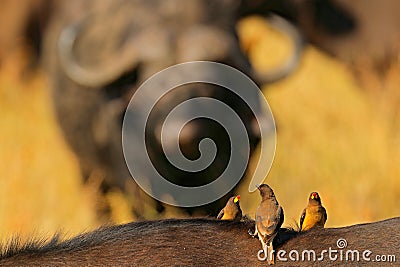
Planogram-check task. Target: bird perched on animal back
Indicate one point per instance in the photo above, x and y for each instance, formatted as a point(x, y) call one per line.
point(232, 210)
point(269, 218)
point(314, 215)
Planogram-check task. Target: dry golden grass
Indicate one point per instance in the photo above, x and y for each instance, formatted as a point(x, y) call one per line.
point(333, 137)
point(40, 185)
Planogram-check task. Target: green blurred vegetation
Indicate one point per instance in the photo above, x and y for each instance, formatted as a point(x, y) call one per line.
point(335, 136)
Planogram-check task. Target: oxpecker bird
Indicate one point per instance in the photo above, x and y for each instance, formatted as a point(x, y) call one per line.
point(232, 210)
point(314, 215)
point(269, 218)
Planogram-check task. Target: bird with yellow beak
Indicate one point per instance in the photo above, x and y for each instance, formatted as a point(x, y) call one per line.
point(232, 210)
point(314, 215)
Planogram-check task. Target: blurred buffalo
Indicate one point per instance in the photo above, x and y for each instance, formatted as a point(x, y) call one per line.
point(97, 53)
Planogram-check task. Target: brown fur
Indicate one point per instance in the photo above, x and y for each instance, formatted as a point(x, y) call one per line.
point(199, 242)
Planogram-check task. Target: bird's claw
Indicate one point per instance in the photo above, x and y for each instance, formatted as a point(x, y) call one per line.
point(253, 234)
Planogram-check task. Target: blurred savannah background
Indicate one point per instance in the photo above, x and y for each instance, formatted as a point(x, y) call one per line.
point(336, 134)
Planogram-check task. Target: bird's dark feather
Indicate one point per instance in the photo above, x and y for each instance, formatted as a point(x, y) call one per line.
point(303, 215)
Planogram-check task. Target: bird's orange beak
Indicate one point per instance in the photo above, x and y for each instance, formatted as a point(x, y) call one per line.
point(237, 198)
